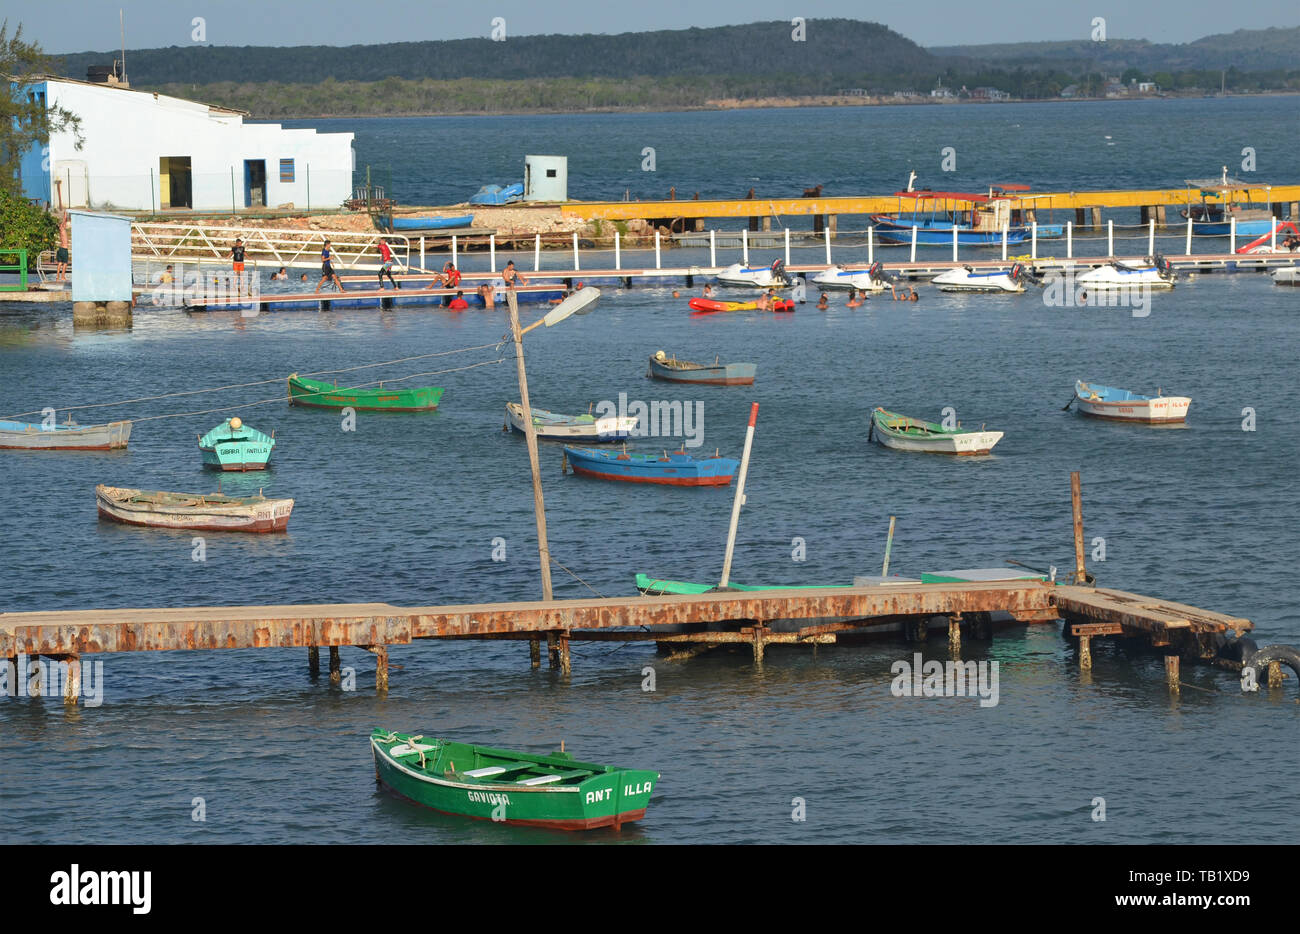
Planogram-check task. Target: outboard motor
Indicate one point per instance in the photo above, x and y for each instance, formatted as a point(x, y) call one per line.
point(778, 270)
point(876, 272)
point(1017, 271)
point(1163, 267)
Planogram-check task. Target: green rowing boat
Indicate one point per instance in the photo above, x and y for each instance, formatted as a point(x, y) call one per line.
point(554, 790)
point(323, 395)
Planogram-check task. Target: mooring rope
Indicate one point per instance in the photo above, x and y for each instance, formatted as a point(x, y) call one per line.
point(263, 382)
point(578, 579)
point(281, 399)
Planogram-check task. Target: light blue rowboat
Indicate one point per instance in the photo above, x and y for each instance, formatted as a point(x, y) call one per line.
point(232, 445)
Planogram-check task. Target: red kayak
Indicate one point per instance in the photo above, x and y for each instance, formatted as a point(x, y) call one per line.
point(709, 306)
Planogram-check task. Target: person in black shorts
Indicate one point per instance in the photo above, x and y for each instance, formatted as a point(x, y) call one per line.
point(327, 272)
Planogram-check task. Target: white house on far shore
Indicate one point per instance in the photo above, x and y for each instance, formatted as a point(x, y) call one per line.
point(144, 151)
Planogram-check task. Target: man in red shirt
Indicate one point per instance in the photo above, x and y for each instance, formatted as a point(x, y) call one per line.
point(386, 258)
point(458, 303)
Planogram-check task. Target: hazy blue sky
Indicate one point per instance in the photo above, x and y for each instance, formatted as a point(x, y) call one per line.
point(93, 26)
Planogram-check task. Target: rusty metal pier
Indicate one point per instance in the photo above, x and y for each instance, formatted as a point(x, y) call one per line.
point(687, 624)
point(821, 616)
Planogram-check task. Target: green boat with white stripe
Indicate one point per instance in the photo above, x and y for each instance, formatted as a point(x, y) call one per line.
point(553, 790)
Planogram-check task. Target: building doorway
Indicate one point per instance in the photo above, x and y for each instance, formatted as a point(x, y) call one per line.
point(175, 187)
point(255, 183)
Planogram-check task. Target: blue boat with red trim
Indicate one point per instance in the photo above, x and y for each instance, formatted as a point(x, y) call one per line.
point(672, 468)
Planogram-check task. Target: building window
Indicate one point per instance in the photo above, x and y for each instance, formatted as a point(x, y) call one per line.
point(286, 170)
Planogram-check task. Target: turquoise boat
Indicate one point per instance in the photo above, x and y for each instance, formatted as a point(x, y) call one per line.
point(232, 445)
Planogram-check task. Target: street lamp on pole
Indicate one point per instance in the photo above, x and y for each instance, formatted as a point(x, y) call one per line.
point(581, 302)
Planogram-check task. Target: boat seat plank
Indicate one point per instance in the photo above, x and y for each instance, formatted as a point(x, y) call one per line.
point(405, 749)
point(491, 771)
point(539, 780)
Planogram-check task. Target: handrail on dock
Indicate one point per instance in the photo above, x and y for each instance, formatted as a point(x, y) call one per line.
point(19, 267)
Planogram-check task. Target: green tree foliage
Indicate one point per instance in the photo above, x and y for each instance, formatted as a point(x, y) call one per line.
point(24, 119)
point(23, 226)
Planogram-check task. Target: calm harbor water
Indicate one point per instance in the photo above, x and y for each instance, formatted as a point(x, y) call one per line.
point(405, 509)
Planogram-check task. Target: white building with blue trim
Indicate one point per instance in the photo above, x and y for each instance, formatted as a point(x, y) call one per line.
point(143, 151)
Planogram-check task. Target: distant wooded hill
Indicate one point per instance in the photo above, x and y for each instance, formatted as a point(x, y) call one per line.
point(832, 47)
point(671, 69)
point(1245, 50)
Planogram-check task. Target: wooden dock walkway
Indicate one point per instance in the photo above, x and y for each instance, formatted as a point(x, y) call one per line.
point(753, 618)
point(548, 284)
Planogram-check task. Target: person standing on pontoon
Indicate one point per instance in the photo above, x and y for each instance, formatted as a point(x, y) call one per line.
point(327, 272)
point(386, 267)
point(61, 255)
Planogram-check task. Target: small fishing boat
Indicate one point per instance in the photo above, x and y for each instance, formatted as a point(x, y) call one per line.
point(656, 587)
point(1124, 406)
point(571, 427)
point(676, 468)
point(322, 395)
point(554, 790)
point(1216, 220)
point(432, 223)
point(32, 436)
point(758, 277)
point(212, 512)
point(673, 370)
point(1153, 273)
point(232, 445)
point(966, 279)
point(872, 279)
point(708, 306)
point(980, 576)
point(1286, 276)
point(911, 434)
point(495, 194)
point(979, 220)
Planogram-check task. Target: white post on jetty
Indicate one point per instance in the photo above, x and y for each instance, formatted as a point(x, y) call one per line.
point(744, 245)
point(889, 543)
point(1110, 237)
point(453, 251)
point(618, 251)
point(658, 255)
point(740, 495)
point(826, 231)
point(1069, 239)
point(871, 245)
point(576, 266)
point(1033, 240)
point(954, 243)
point(421, 253)
point(913, 257)
point(1187, 251)
point(713, 248)
point(1272, 236)
point(537, 252)
point(787, 246)
point(1151, 237)
point(1232, 234)
point(1004, 240)
point(492, 251)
